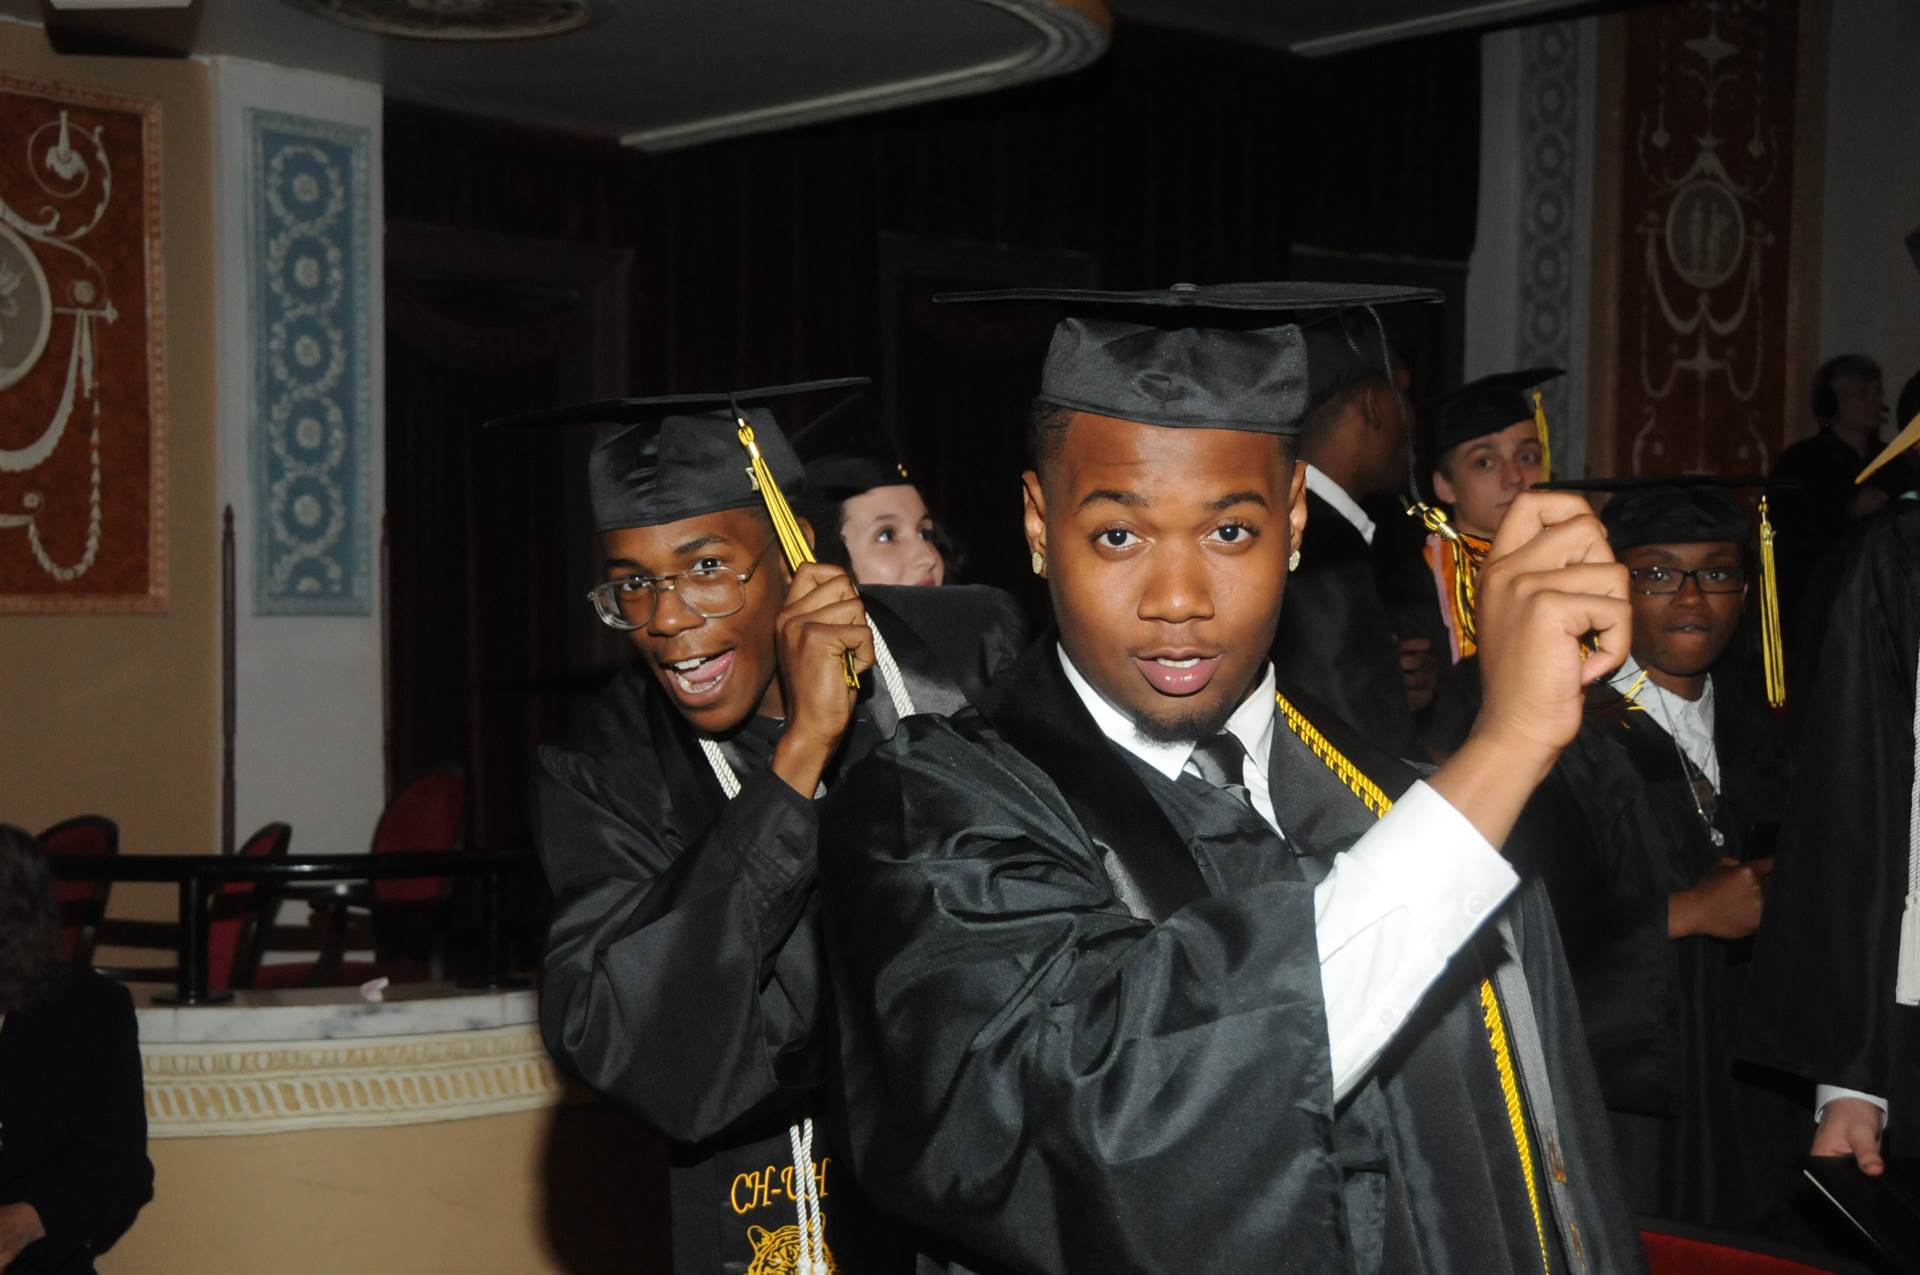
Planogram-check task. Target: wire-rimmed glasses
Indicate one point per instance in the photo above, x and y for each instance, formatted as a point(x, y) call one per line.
point(711, 592)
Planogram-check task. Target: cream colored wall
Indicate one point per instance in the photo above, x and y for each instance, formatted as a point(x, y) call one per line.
point(120, 714)
point(501, 1195)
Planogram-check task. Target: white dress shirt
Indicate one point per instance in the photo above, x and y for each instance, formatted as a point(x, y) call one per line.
point(1394, 908)
point(1689, 721)
point(1336, 495)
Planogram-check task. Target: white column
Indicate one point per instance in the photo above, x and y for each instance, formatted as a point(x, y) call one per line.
point(310, 622)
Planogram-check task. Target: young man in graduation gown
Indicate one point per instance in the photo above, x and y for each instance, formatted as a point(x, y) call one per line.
point(1336, 635)
point(1671, 795)
point(1836, 963)
point(1132, 973)
point(1488, 444)
point(678, 826)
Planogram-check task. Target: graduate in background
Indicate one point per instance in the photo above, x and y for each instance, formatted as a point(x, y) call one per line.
point(1147, 966)
point(1336, 636)
point(1488, 440)
point(1838, 951)
point(867, 515)
point(678, 828)
point(1670, 798)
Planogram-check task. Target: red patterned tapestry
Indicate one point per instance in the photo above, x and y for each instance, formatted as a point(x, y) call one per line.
point(1706, 216)
point(82, 384)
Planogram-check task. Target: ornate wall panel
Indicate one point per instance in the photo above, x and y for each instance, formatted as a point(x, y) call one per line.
point(82, 352)
point(1551, 306)
point(308, 223)
point(1703, 336)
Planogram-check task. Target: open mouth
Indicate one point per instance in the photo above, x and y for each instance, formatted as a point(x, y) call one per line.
point(1177, 672)
point(700, 677)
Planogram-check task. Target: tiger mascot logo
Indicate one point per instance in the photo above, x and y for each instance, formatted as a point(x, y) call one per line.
point(778, 1252)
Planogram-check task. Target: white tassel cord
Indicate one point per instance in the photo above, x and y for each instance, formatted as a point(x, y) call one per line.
point(1906, 987)
point(806, 1187)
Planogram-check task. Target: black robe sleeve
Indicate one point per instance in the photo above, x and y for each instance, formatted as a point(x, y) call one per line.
point(1825, 957)
point(670, 980)
point(1032, 1070)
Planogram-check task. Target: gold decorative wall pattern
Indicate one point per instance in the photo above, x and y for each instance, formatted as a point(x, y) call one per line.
point(82, 352)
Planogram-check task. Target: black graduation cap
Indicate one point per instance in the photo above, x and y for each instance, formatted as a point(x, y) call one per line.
point(1224, 356)
point(1483, 407)
point(674, 456)
point(847, 451)
point(1671, 509)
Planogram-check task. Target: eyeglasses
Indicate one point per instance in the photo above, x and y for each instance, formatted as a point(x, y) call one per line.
point(709, 592)
point(1672, 579)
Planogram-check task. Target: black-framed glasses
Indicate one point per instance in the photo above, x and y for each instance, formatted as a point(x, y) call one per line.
point(1673, 579)
point(710, 592)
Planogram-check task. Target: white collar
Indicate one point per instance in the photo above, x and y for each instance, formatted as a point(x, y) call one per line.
point(1334, 494)
point(1251, 724)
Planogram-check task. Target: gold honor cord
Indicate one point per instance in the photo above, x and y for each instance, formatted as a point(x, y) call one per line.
point(1546, 445)
point(1379, 803)
point(1773, 650)
point(793, 541)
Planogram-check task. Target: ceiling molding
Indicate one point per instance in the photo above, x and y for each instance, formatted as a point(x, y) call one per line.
point(1069, 34)
point(1487, 13)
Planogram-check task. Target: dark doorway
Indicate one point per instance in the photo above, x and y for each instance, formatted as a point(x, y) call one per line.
point(490, 643)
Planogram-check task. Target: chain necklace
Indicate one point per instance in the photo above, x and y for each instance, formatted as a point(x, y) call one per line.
point(1696, 779)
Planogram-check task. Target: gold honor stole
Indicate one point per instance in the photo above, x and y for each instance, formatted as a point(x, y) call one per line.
point(1379, 803)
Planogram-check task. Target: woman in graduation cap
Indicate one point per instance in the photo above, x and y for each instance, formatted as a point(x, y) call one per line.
point(867, 514)
point(678, 827)
point(1672, 793)
point(1488, 440)
point(1152, 965)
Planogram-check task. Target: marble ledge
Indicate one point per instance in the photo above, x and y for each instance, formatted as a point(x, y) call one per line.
point(335, 1013)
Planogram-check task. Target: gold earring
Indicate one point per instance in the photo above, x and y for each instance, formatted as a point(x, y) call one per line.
point(1040, 564)
point(1293, 560)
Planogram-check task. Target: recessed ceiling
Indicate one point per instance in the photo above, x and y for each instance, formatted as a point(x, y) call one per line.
point(658, 74)
point(1316, 28)
point(663, 73)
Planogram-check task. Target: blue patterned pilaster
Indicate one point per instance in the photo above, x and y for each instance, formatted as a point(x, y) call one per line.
point(308, 220)
point(1552, 275)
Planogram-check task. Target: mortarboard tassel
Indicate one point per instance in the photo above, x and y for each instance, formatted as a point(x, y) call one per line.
point(1773, 654)
point(793, 541)
point(1546, 446)
point(1461, 556)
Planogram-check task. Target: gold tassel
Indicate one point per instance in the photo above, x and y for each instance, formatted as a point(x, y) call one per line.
point(1462, 556)
point(1546, 445)
point(1773, 652)
point(793, 541)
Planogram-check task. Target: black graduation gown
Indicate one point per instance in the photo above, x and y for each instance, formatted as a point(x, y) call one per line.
point(1699, 1139)
point(1336, 637)
point(1079, 1032)
point(1825, 959)
point(73, 1121)
point(683, 974)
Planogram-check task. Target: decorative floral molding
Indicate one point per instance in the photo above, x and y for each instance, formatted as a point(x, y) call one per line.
point(309, 219)
point(232, 1090)
point(1552, 318)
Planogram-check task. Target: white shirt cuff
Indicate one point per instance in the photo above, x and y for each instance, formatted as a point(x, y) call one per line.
point(1391, 914)
point(1824, 1094)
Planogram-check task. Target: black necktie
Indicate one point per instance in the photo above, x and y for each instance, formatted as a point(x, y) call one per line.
point(1222, 762)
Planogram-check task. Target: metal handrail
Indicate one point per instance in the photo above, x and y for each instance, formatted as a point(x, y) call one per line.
point(198, 875)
